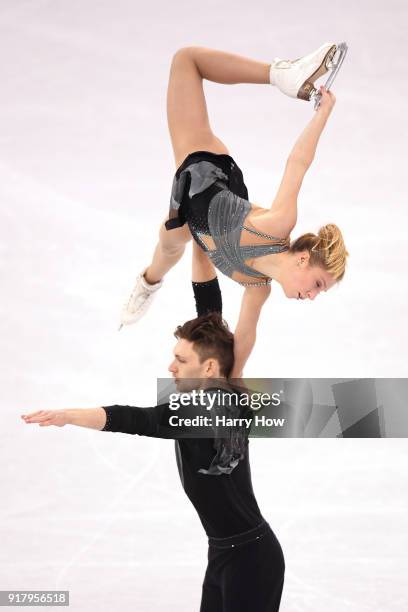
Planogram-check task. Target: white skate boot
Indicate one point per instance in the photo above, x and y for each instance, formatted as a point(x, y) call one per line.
point(139, 301)
point(296, 78)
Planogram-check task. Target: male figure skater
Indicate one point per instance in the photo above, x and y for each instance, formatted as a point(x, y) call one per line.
point(246, 566)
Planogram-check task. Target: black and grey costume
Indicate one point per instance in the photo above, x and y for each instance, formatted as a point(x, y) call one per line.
point(209, 194)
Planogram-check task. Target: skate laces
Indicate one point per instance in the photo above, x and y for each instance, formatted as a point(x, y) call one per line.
point(282, 64)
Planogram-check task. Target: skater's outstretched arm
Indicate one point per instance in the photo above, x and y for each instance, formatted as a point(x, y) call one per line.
point(306, 145)
point(300, 159)
point(207, 295)
point(94, 418)
point(124, 419)
point(245, 332)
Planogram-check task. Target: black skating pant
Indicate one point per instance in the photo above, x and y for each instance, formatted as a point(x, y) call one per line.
point(245, 573)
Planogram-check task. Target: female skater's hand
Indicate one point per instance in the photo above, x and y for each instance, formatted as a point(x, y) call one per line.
point(327, 101)
point(46, 417)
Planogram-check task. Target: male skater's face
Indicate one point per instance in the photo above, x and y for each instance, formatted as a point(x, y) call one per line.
point(186, 364)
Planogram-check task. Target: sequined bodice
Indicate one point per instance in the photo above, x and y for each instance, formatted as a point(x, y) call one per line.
point(221, 214)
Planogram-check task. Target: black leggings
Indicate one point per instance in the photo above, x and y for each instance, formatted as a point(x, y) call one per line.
point(245, 573)
point(207, 297)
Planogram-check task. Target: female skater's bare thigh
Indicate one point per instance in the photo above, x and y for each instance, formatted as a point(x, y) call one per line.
point(187, 114)
point(174, 238)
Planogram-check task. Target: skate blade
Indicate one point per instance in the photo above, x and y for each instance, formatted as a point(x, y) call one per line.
point(336, 63)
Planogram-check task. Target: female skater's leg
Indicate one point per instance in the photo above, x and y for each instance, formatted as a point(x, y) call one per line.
point(168, 252)
point(190, 131)
point(187, 115)
point(206, 289)
point(190, 128)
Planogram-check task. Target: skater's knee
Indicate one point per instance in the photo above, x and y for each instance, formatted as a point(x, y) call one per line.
point(182, 53)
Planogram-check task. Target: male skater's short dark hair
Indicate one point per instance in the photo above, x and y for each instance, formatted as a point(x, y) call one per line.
point(211, 337)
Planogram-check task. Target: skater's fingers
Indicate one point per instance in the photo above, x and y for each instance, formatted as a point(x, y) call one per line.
point(325, 92)
point(31, 418)
point(38, 418)
point(327, 100)
point(24, 416)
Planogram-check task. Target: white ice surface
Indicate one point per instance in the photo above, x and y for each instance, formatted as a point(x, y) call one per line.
point(85, 173)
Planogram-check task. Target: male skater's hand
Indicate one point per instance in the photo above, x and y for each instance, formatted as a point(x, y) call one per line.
point(46, 417)
point(327, 101)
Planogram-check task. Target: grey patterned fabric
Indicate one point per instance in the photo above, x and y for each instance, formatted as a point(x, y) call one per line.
point(226, 215)
point(202, 197)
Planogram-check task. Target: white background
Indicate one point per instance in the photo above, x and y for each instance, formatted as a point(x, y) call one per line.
point(86, 169)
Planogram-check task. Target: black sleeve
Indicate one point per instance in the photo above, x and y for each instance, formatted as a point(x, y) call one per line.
point(140, 421)
point(207, 297)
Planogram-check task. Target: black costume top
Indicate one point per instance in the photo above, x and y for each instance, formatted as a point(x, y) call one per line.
point(225, 503)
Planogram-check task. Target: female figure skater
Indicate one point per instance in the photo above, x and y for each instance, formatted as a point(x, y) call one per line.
point(209, 199)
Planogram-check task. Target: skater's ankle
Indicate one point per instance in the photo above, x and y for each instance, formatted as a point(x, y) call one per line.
point(271, 78)
point(150, 280)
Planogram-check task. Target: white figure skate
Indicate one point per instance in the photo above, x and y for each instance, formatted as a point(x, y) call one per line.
point(296, 78)
point(139, 301)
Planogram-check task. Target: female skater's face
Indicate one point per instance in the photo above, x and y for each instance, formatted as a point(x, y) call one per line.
point(303, 281)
